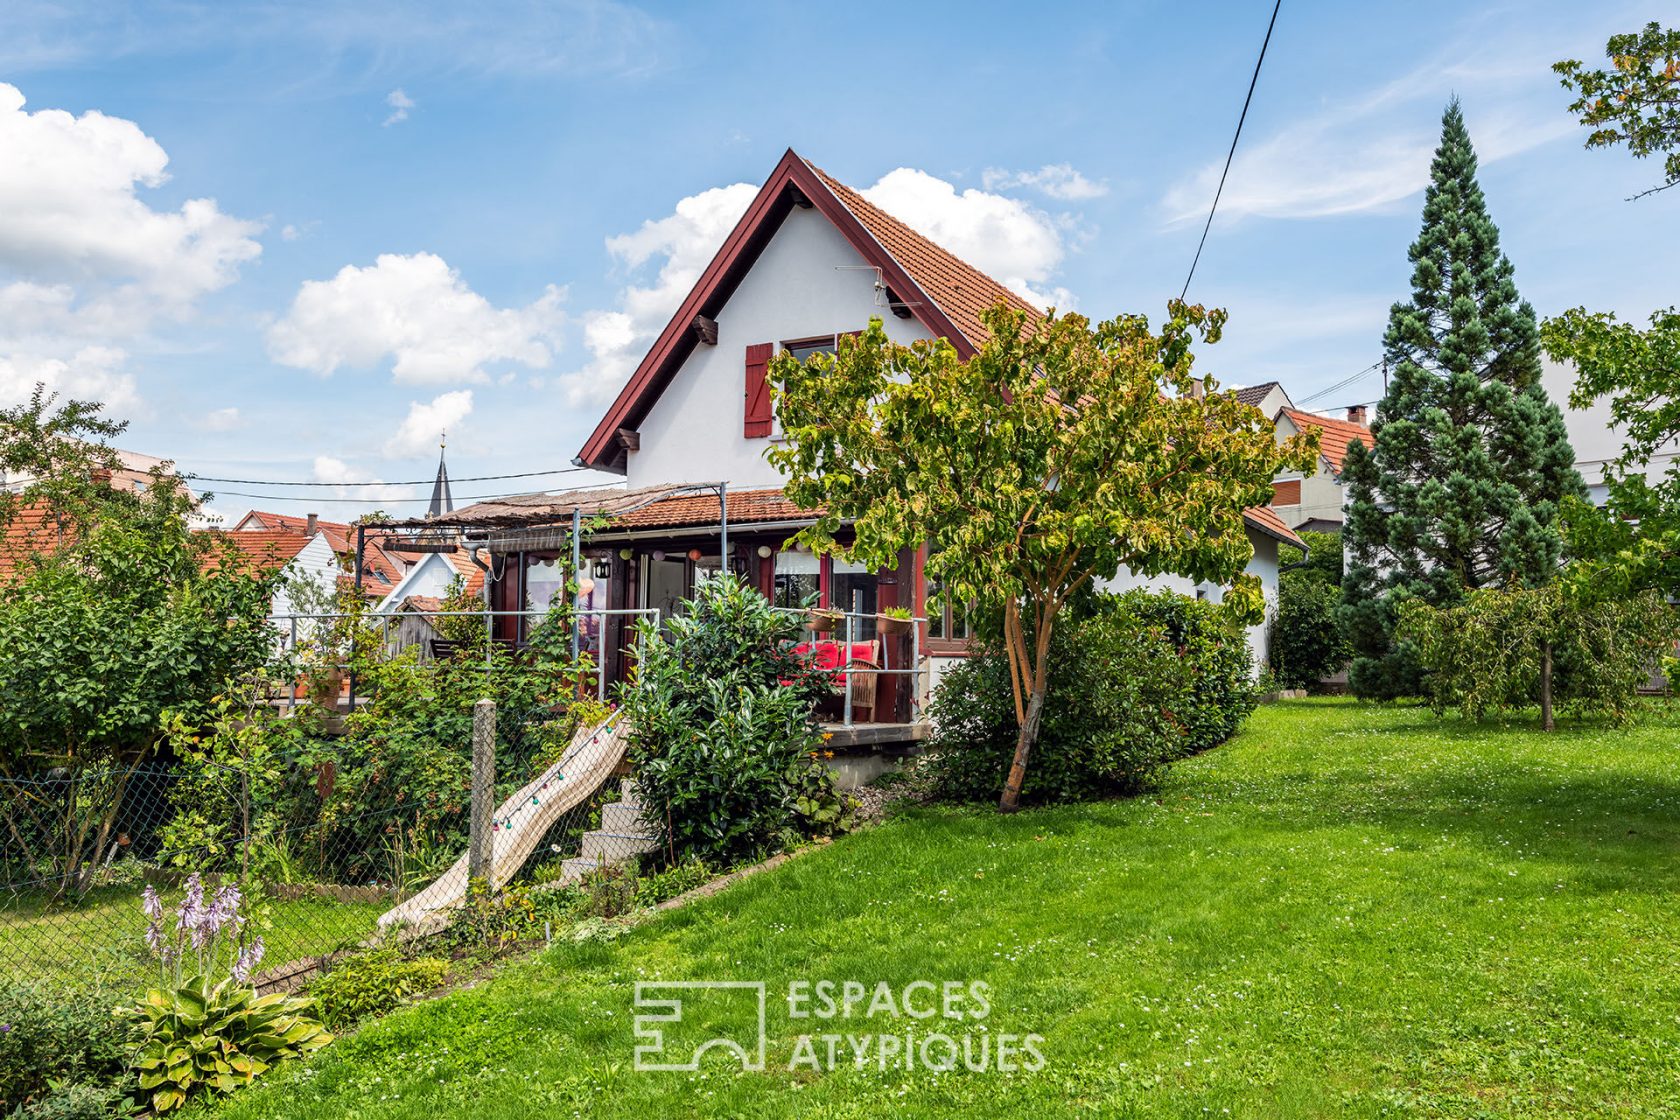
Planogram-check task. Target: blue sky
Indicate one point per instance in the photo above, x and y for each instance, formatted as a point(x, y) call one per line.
point(291, 240)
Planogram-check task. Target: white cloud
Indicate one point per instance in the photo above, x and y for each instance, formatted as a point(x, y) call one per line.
point(352, 482)
point(1014, 243)
point(400, 104)
point(418, 312)
point(87, 267)
point(221, 420)
point(1057, 180)
point(91, 373)
point(1369, 154)
point(426, 423)
point(685, 241)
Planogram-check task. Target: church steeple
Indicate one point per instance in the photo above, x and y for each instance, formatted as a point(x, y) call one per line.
point(442, 501)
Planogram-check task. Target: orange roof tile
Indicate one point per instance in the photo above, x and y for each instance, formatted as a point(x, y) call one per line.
point(961, 290)
point(1334, 435)
point(693, 510)
point(1266, 519)
point(32, 531)
point(255, 551)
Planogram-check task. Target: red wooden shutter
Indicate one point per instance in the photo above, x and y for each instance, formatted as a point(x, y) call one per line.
point(757, 422)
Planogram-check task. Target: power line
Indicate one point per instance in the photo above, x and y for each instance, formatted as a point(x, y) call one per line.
point(354, 501)
point(1230, 154)
point(1340, 385)
point(416, 482)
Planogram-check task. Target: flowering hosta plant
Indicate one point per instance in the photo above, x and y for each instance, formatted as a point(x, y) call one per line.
point(206, 1029)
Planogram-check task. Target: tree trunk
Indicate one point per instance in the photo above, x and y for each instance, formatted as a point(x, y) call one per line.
point(1024, 741)
point(1546, 686)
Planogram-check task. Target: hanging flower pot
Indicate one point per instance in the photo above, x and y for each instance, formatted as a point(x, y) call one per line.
point(893, 623)
point(823, 620)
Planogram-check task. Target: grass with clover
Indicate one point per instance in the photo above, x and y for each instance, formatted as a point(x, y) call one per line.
point(1346, 911)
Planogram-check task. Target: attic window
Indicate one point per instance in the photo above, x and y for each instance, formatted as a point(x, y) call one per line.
point(803, 348)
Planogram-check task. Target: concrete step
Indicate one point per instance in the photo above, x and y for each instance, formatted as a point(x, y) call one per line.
point(627, 791)
point(577, 867)
point(625, 817)
point(615, 847)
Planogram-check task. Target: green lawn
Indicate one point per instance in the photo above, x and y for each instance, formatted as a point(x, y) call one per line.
point(104, 935)
point(1346, 911)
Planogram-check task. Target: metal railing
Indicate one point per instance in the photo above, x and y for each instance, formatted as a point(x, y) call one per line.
point(853, 620)
point(294, 634)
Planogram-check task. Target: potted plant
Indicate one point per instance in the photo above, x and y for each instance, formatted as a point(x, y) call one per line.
point(823, 620)
point(894, 620)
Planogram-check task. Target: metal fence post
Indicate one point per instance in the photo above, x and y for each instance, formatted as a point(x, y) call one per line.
point(483, 789)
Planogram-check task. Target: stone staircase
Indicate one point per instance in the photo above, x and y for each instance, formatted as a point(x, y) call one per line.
point(624, 834)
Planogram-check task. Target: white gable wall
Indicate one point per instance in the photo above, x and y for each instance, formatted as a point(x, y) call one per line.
point(431, 576)
point(807, 282)
point(314, 563)
point(1264, 565)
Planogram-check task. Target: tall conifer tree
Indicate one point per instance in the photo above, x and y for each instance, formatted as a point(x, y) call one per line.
point(1471, 458)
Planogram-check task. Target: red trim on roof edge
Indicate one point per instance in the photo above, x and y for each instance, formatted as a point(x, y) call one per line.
point(740, 250)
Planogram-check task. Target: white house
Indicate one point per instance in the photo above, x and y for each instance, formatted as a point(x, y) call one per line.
point(809, 261)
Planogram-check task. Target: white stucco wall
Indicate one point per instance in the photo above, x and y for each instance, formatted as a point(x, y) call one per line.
point(1591, 434)
point(806, 283)
point(431, 576)
point(1322, 498)
point(1263, 565)
point(316, 563)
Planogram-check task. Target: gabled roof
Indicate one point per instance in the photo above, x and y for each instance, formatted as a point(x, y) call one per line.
point(1256, 394)
point(1334, 435)
point(944, 293)
point(1266, 520)
point(255, 551)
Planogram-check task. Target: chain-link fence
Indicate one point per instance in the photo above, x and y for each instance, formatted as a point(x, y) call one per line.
point(79, 849)
point(320, 862)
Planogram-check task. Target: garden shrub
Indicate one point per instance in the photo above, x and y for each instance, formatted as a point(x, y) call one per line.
point(722, 712)
point(1306, 644)
point(680, 878)
point(51, 1034)
point(374, 983)
point(79, 1100)
point(1136, 681)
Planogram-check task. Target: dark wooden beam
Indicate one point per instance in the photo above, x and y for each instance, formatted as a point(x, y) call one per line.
point(902, 310)
point(799, 198)
point(705, 329)
point(629, 440)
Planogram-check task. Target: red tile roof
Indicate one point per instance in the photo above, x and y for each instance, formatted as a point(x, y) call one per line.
point(961, 290)
point(32, 531)
point(255, 551)
point(944, 293)
point(697, 510)
point(1266, 520)
point(1334, 435)
point(381, 572)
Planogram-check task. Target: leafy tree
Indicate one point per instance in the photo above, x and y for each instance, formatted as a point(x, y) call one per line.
point(1633, 543)
point(1057, 454)
point(112, 618)
point(1471, 460)
point(1637, 101)
point(1506, 648)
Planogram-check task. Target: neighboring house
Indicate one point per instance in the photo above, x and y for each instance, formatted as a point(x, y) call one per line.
point(382, 566)
point(308, 566)
point(1268, 397)
point(133, 473)
point(430, 578)
point(1594, 438)
point(1317, 501)
point(809, 261)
